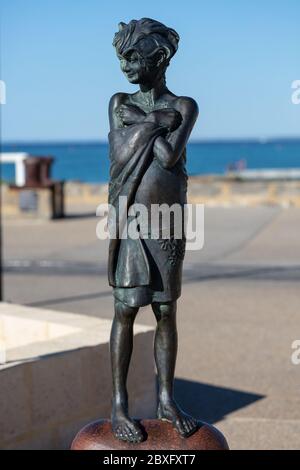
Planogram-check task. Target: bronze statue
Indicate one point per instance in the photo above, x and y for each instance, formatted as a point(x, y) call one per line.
point(149, 130)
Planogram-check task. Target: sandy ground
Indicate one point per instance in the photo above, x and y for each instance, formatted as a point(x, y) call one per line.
point(237, 317)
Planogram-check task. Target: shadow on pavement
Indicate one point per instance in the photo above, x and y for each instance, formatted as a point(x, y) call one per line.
point(208, 402)
point(73, 298)
point(79, 215)
point(212, 272)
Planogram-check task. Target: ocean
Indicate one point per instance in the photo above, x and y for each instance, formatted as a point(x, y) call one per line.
point(89, 161)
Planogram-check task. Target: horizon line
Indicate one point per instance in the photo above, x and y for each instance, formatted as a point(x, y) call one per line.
point(192, 141)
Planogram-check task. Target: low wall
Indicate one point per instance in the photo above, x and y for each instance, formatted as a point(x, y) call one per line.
point(208, 190)
point(57, 376)
point(229, 192)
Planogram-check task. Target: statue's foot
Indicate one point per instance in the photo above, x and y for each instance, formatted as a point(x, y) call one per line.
point(170, 411)
point(125, 428)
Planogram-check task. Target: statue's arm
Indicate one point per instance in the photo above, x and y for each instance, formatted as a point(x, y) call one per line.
point(114, 104)
point(168, 149)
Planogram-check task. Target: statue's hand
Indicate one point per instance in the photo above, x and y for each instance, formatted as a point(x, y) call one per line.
point(130, 114)
point(167, 117)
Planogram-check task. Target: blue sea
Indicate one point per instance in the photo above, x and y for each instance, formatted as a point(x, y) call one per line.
point(89, 161)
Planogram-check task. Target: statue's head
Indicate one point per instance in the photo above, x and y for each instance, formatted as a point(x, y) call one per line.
point(145, 48)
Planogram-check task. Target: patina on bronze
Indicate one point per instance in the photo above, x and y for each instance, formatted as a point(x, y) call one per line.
point(149, 130)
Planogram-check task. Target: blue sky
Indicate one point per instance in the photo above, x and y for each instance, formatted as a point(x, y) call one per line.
point(237, 58)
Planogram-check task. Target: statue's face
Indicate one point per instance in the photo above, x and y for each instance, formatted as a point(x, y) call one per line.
point(135, 68)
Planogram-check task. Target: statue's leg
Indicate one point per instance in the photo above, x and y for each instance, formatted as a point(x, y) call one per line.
point(165, 351)
point(121, 342)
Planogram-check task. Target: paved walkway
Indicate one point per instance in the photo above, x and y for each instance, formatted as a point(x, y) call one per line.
point(237, 318)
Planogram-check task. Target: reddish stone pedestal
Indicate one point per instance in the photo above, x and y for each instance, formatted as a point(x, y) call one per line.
point(160, 435)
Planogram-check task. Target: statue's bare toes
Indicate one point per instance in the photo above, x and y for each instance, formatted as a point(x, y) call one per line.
point(190, 425)
point(185, 424)
point(180, 427)
point(119, 432)
point(128, 431)
point(136, 432)
point(133, 435)
point(128, 434)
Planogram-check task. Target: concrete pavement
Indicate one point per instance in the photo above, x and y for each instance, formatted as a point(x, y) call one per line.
point(237, 317)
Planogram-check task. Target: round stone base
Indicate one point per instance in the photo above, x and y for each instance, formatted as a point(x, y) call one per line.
point(159, 435)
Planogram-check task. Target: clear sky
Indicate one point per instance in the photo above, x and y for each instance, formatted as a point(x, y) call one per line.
point(237, 58)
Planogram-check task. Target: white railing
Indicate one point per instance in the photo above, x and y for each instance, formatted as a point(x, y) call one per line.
point(18, 160)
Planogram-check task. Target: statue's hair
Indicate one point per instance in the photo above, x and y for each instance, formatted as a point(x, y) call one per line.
point(146, 36)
